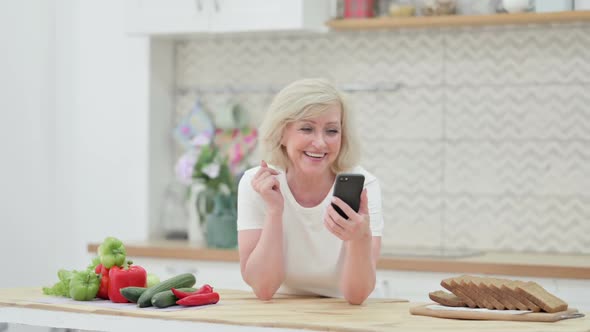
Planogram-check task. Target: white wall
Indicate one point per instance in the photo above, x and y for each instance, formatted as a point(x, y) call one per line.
point(74, 134)
point(27, 145)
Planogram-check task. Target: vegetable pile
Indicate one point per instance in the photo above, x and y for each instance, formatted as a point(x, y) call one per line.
point(111, 276)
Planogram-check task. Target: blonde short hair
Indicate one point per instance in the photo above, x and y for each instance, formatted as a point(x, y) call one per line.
point(304, 99)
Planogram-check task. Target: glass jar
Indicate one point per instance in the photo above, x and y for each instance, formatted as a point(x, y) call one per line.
point(402, 8)
point(438, 7)
point(517, 6)
point(480, 7)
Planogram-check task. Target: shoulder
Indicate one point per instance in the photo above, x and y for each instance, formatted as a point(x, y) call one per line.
point(369, 177)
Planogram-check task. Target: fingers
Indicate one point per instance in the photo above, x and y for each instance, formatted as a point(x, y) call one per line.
point(336, 218)
point(344, 207)
point(269, 183)
point(265, 180)
point(265, 169)
point(364, 207)
point(262, 174)
point(333, 228)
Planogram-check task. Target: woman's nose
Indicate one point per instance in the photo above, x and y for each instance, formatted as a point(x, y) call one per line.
point(319, 142)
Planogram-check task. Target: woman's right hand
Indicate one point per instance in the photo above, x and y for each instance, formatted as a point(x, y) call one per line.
point(267, 185)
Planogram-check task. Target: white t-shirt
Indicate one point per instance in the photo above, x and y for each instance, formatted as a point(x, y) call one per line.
point(313, 256)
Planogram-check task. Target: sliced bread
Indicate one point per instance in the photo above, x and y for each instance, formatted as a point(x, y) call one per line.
point(448, 299)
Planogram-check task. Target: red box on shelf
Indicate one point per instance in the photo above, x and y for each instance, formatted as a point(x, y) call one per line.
point(359, 8)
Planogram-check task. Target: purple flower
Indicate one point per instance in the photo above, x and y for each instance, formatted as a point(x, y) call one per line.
point(184, 167)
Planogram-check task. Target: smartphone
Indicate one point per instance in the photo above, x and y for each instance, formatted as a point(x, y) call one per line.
point(348, 188)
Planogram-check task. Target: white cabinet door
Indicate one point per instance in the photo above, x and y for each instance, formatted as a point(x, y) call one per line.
point(168, 16)
point(222, 275)
point(264, 15)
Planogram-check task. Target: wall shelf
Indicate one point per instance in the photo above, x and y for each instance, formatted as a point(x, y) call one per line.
point(458, 20)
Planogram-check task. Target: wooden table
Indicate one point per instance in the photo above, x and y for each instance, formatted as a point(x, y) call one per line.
point(241, 311)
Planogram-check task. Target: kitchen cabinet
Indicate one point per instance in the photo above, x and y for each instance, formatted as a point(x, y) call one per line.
point(177, 17)
point(167, 17)
point(412, 286)
point(223, 275)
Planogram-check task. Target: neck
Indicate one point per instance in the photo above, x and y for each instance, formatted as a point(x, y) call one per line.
point(309, 190)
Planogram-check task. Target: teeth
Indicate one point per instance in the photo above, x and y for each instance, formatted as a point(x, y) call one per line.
point(315, 155)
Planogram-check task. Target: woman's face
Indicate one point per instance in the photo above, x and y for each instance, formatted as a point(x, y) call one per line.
point(313, 145)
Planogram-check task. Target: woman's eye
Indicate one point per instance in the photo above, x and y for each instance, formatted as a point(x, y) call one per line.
point(306, 129)
point(333, 131)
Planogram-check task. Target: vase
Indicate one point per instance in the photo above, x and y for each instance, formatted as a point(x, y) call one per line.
point(195, 229)
point(221, 223)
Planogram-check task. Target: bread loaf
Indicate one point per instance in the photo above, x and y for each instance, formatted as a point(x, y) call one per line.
point(497, 294)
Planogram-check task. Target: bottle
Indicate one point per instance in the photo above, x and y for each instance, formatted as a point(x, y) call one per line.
point(402, 8)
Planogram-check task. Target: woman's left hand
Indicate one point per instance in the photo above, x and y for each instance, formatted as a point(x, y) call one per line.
point(355, 227)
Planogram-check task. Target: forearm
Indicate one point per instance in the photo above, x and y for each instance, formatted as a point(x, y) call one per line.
point(358, 270)
point(264, 270)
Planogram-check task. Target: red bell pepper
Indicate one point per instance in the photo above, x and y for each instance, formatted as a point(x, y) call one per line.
point(199, 299)
point(103, 290)
point(126, 276)
point(205, 289)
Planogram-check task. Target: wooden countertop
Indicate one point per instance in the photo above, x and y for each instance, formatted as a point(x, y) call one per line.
point(501, 263)
point(242, 309)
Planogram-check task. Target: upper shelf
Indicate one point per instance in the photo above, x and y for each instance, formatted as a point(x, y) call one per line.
point(458, 20)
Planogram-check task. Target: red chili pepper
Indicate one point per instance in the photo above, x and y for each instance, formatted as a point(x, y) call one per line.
point(126, 276)
point(103, 290)
point(205, 289)
point(199, 299)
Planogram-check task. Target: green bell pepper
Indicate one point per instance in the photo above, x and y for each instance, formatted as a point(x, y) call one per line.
point(112, 252)
point(84, 285)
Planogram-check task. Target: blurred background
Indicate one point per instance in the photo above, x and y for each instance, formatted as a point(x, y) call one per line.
point(478, 129)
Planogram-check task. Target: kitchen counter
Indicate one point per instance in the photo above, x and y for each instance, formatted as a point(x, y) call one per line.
point(499, 263)
point(241, 311)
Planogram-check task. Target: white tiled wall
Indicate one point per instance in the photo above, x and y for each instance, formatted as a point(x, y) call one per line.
point(486, 145)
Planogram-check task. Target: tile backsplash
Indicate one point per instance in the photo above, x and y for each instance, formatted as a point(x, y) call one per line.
point(485, 145)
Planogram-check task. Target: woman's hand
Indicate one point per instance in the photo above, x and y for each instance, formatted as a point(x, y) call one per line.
point(266, 184)
point(355, 227)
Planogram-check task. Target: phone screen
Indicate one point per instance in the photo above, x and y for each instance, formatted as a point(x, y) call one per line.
point(348, 187)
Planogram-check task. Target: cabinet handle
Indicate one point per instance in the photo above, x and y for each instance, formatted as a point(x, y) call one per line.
point(199, 5)
point(216, 4)
point(386, 290)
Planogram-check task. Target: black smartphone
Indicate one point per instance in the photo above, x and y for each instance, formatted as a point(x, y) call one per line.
point(348, 188)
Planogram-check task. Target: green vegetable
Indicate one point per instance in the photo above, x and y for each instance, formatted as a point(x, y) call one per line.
point(132, 293)
point(84, 285)
point(167, 298)
point(93, 264)
point(180, 281)
point(62, 287)
point(112, 252)
point(152, 280)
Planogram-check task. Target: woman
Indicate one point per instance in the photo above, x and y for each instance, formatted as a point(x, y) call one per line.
point(289, 234)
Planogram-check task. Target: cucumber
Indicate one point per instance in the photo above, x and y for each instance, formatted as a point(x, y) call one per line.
point(180, 281)
point(132, 293)
point(167, 298)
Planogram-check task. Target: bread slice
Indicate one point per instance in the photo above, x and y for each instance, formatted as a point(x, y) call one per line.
point(497, 300)
point(510, 288)
point(477, 294)
point(511, 303)
point(542, 298)
point(447, 299)
point(454, 287)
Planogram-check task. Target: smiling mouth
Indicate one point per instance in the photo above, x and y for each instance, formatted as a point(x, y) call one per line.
point(315, 155)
